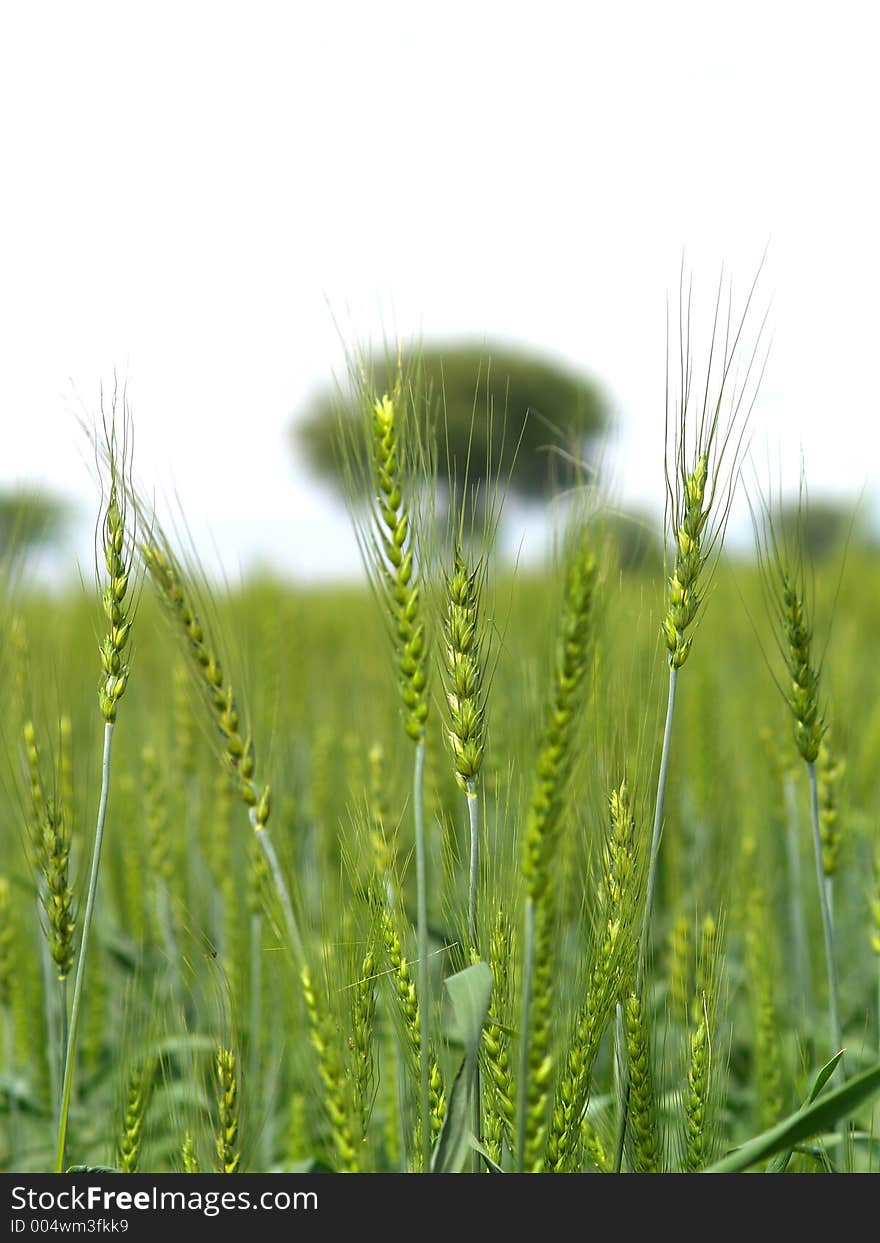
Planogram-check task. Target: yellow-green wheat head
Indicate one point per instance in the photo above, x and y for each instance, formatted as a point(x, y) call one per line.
point(556, 753)
point(684, 598)
point(58, 902)
point(393, 547)
point(116, 548)
point(178, 597)
point(464, 670)
point(705, 432)
point(803, 671)
point(787, 585)
point(227, 1142)
point(830, 771)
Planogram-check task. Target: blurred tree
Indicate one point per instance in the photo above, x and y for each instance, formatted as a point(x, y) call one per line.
point(519, 415)
point(635, 541)
point(28, 519)
point(823, 526)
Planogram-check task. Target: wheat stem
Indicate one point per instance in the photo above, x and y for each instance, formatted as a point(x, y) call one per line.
point(656, 832)
point(474, 862)
point(525, 1016)
point(256, 983)
point(9, 1041)
point(70, 1047)
point(473, 887)
point(423, 973)
point(827, 919)
point(621, 1086)
point(645, 939)
point(824, 884)
point(65, 1023)
point(50, 1015)
point(290, 921)
point(798, 927)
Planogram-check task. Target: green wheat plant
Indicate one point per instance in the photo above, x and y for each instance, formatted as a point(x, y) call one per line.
point(705, 429)
point(788, 590)
point(216, 689)
point(445, 871)
point(387, 534)
point(117, 540)
point(542, 833)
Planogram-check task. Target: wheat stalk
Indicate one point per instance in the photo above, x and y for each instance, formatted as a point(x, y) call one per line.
point(390, 554)
point(612, 961)
point(7, 976)
point(116, 541)
point(785, 581)
point(543, 827)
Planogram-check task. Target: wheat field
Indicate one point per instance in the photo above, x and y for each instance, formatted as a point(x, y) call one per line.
point(472, 868)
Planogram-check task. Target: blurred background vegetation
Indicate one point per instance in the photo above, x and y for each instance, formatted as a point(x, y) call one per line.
point(30, 519)
point(185, 957)
point(485, 411)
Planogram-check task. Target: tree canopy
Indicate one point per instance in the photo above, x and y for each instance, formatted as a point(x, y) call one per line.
point(822, 526)
point(28, 519)
point(519, 415)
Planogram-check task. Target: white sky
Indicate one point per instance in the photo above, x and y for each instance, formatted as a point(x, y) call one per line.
point(194, 192)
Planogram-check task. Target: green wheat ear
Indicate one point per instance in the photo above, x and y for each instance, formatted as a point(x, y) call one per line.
point(680, 967)
point(57, 893)
point(137, 1097)
point(465, 699)
point(644, 1122)
point(393, 561)
point(785, 580)
point(612, 960)
point(188, 1158)
point(690, 556)
point(238, 749)
point(786, 584)
point(117, 559)
point(227, 1139)
point(117, 537)
point(37, 796)
point(363, 1015)
point(701, 1098)
point(542, 833)
point(830, 770)
point(803, 672)
point(497, 1072)
point(394, 544)
point(704, 446)
point(464, 670)
point(342, 1107)
point(544, 820)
